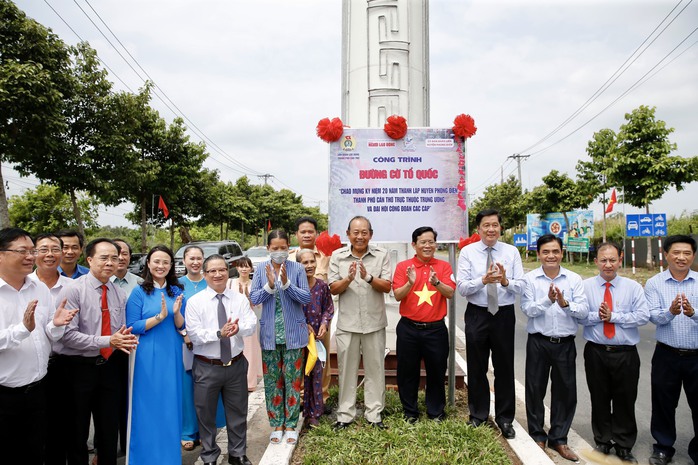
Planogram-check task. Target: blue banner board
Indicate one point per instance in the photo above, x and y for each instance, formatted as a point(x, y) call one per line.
point(520, 240)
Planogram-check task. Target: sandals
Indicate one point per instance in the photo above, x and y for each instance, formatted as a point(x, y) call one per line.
point(275, 436)
point(291, 436)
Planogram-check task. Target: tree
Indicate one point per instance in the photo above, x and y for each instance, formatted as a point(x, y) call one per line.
point(592, 179)
point(34, 65)
point(507, 199)
point(47, 209)
point(642, 166)
point(86, 147)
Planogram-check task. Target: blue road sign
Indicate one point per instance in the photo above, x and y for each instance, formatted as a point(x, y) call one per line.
point(520, 240)
point(646, 225)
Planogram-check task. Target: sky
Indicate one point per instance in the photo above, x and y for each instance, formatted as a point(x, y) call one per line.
point(255, 78)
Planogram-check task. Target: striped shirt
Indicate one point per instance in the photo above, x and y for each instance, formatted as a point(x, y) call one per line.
point(678, 331)
point(293, 295)
point(630, 310)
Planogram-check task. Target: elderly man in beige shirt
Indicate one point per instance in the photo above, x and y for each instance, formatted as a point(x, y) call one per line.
point(360, 276)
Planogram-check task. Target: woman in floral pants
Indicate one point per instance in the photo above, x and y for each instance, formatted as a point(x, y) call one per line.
point(281, 287)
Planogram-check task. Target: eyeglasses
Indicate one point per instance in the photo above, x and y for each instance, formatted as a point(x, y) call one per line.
point(53, 250)
point(22, 252)
point(215, 272)
point(423, 243)
point(107, 258)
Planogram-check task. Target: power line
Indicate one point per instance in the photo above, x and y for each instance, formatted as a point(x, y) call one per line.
point(616, 74)
point(634, 86)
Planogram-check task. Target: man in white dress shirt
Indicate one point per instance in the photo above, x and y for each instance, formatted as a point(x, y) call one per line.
point(27, 327)
point(217, 320)
point(490, 276)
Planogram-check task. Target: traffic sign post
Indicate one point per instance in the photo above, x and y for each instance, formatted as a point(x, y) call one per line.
point(646, 225)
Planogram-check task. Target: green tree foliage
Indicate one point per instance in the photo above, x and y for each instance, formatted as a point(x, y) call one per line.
point(34, 65)
point(47, 209)
point(592, 179)
point(506, 198)
point(642, 165)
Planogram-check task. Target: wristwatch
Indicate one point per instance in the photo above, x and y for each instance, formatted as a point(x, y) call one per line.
point(219, 335)
point(437, 283)
point(370, 279)
point(158, 317)
point(182, 331)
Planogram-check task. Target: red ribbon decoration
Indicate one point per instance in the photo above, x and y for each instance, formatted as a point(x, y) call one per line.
point(464, 126)
point(330, 131)
point(475, 237)
point(395, 127)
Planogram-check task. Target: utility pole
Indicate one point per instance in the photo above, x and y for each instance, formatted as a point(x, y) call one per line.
point(266, 177)
point(518, 157)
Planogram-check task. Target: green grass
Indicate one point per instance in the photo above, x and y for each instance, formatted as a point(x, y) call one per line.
point(425, 442)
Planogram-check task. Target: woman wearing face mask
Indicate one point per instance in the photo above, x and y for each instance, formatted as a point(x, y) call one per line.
point(318, 315)
point(252, 350)
point(281, 287)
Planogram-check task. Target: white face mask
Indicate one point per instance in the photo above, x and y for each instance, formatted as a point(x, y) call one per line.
point(279, 257)
point(321, 352)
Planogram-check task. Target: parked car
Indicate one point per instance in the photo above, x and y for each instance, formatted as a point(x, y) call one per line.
point(257, 255)
point(137, 263)
point(230, 250)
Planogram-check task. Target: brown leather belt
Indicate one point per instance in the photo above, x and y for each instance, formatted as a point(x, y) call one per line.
point(217, 362)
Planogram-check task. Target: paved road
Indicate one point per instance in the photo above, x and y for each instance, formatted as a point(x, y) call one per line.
point(582, 420)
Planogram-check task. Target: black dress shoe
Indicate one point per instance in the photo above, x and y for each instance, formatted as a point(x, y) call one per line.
point(209, 463)
point(474, 422)
point(239, 460)
point(604, 449)
point(411, 420)
point(507, 430)
point(625, 455)
point(340, 425)
point(659, 458)
point(378, 424)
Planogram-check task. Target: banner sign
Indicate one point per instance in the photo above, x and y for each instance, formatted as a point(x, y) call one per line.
point(646, 225)
point(399, 185)
point(581, 226)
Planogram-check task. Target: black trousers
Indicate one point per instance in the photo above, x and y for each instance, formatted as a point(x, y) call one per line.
point(23, 423)
point(484, 334)
point(555, 361)
point(96, 389)
point(58, 389)
point(612, 377)
point(670, 370)
point(414, 345)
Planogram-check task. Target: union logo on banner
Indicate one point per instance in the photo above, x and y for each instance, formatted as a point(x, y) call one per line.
point(348, 143)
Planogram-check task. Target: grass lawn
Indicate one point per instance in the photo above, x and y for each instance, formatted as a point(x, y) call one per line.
point(425, 442)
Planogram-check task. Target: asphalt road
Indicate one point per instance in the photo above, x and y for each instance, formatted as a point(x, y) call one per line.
point(643, 406)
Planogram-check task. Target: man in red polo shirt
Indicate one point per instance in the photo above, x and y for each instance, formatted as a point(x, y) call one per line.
point(422, 285)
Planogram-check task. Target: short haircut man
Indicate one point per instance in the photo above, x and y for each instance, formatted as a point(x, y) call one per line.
point(122, 277)
point(360, 276)
point(422, 285)
point(306, 233)
point(212, 376)
point(673, 297)
point(617, 307)
point(28, 325)
point(94, 348)
point(490, 276)
point(73, 243)
point(554, 302)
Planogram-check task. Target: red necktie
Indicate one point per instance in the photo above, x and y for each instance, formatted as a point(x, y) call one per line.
point(609, 329)
point(106, 323)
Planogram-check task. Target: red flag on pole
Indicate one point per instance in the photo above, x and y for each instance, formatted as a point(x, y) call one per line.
point(268, 225)
point(163, 207)
point(611, 202)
